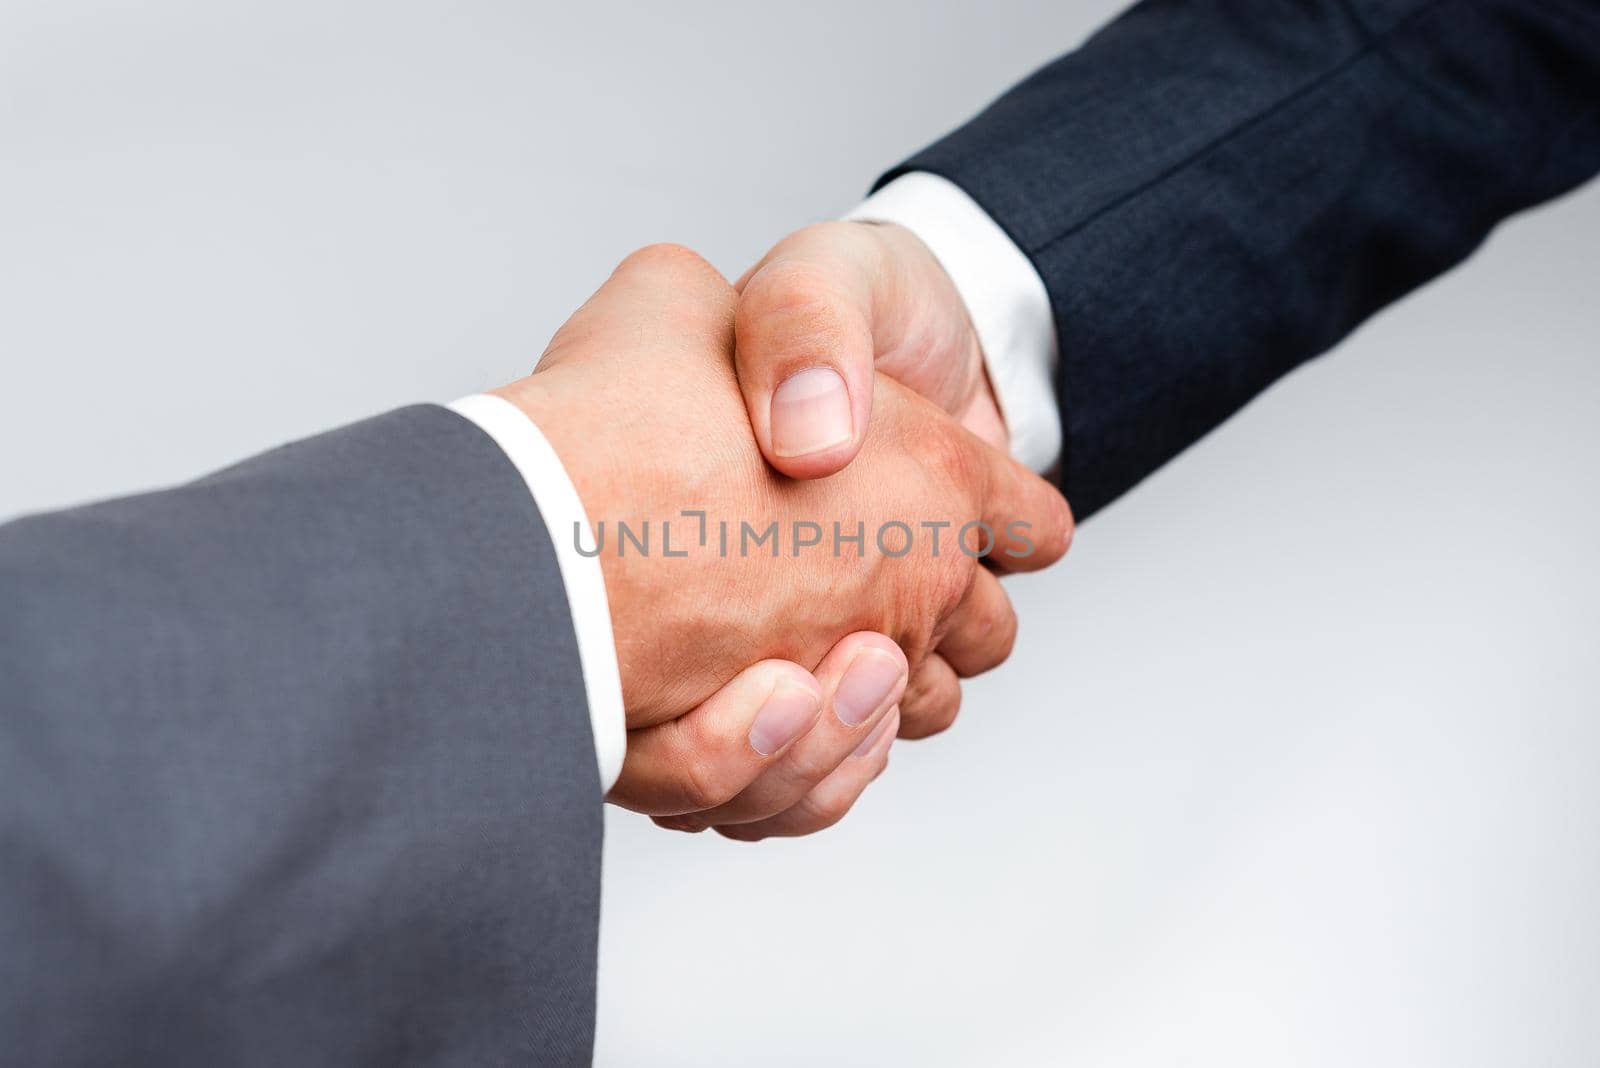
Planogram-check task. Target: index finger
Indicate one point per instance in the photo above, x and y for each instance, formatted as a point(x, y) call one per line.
point(1030, 521)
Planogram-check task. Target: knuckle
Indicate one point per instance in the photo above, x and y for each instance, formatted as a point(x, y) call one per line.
point(932, 711)
point(918, 634)
point(696, 301)
point(666, 255)
point(953, 580)
point(1003, 630)
point(947, 456)
point(1062, 527)
point(791, 281)
point(704, 785)
point(994, 625)
point(826, 808)
point(944, 714)
point(948, 704)
point(741, 832)
point(805, 772)
point(1069, 526)
point(919, 723)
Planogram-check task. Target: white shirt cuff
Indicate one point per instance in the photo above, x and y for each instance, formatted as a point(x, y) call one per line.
point(1005, 298)
point(557, 500)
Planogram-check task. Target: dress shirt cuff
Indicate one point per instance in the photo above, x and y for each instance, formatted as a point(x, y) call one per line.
point(1005, 298)
point(557, 500)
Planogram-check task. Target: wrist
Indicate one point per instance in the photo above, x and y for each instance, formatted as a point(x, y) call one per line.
point(546, 401)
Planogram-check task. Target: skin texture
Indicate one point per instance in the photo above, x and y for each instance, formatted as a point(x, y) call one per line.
point(865, 298)
point(637, 393)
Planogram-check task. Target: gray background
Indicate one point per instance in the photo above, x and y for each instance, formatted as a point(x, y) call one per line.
point(1295, 761)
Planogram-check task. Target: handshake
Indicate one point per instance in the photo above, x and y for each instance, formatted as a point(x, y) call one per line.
point(800, 501)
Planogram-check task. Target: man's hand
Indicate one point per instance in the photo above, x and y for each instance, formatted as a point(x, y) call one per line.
point(638, 396)
point(828, 306)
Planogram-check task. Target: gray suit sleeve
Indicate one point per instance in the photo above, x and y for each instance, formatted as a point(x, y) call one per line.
point(296, 768)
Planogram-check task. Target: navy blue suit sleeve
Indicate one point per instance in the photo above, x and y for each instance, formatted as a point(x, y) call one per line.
point(1215, 191)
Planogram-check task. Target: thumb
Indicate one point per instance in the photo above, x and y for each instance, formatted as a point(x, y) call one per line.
point(804, 349)
point(706, 757)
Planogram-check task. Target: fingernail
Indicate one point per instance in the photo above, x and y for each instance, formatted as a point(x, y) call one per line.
point(872, 739)
point(787, 713)
point(865, 686)
point(810, 412)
